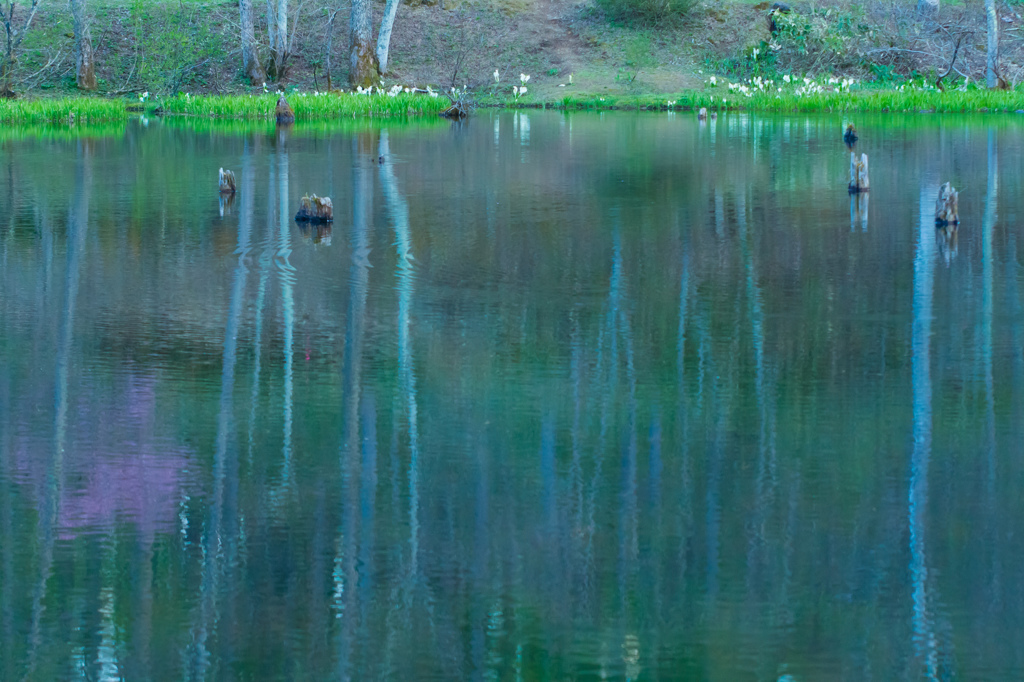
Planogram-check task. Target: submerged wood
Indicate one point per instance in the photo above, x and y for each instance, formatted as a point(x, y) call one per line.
point(315, 209)
point(850, 137)
point(947, 236)
point(859, 173)
point(946, 206)
point(702, 115)
point(227, 182)
point(317, 234)
point(283, 112)
point(859, 210)
point(227, 200)
point(456, 110)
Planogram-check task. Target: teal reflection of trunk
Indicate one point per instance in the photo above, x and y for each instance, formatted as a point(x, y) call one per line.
point(49, 506)
point(925, 643)
point(218, 537)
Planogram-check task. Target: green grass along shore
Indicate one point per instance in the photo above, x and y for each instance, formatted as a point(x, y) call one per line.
point(381, 104)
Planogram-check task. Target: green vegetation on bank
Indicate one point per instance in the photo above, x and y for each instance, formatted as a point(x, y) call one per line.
point(865, 100)
point(310, 106)
point(789, 95)
point(85, 110)
point(307, 107)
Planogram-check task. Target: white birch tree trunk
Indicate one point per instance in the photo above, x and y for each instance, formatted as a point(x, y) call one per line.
point(85, 68)
point(362, 60)
point(992, 65)
point(250, 56)
point(384, 37)
point(277, 32)
point(281, 55)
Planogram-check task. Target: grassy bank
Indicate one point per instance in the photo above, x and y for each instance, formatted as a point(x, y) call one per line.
point(307, 107)
point(791, 95)
point(768, 97)
point(62, 110)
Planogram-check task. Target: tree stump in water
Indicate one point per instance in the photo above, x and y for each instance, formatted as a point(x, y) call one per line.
point(850, 137)
point(946, 206)
point(315, 209)
point(283, 112)
point(227, 182)
point(859, 174)
point(702, 115)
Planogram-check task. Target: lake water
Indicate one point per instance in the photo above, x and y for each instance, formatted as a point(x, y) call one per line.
point(557, 396)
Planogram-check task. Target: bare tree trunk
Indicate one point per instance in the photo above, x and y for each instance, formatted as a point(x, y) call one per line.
point(277, 31)
point(384, 37)
point(362, 61)
point(928, 7)
point(13, 37)
point(250, 57)
point(330, 46)
point(281, 54)
point(85, 69)
point(992, 66)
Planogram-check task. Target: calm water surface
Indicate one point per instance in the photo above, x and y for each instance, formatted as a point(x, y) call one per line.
point(557, 397)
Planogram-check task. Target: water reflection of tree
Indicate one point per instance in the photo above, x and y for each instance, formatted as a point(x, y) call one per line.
point(558, 440)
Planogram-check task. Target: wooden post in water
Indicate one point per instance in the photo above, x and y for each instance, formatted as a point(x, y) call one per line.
point(227, 182)
point(859, 173)
point(227, 191)
point(315, 209)
point(946, 206)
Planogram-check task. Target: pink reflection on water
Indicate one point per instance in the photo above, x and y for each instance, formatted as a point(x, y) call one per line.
point(117, 466)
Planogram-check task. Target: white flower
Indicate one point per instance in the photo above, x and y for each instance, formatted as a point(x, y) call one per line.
point(786, 78)
point(523, 78)
point(714, 81)
point(497, 76)
point(570, 79)
point(522, 90)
